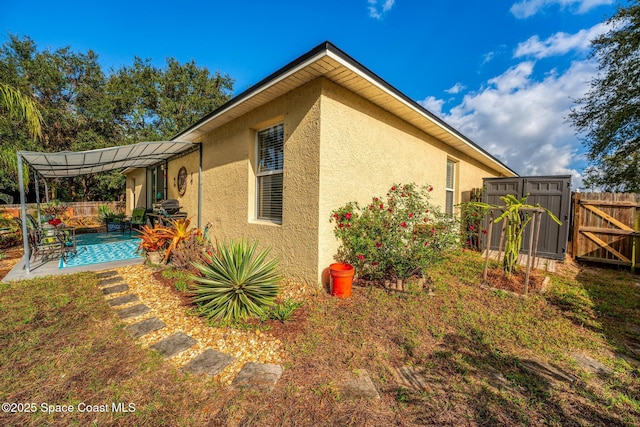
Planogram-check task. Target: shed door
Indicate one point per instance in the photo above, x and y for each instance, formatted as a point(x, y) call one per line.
point(551, 192)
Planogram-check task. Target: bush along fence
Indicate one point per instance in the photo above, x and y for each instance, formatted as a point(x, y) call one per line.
point(394, 238)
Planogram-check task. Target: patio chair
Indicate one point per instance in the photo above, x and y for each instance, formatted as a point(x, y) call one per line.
point(47, 244)
point(138, 217)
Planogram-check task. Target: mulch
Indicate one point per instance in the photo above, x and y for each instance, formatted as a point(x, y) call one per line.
point(497, 279)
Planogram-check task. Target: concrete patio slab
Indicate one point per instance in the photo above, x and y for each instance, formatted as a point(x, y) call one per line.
point(51, 269)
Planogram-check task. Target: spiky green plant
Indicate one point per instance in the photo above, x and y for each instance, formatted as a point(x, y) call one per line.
point(236, 281)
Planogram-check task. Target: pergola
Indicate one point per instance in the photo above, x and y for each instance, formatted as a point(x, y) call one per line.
point(74, 163)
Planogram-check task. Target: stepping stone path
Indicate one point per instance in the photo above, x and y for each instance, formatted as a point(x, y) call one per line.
point(591, 365)
point(257, 376)
point(124, 299)
point(254, 376)
point(359, 387)
point(105, 274)
point(133, 311)
point(174, 344)
point(210, 362)
point(547, 371)
point(111, 281)
point(145, 327)
point(115, 289)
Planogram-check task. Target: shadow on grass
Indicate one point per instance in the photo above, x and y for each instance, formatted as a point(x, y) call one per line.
point(468, 381)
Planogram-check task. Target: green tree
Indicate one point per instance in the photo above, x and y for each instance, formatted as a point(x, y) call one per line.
point(155, 104)
point(609, 114)
point(83, 108)
point(16, 106)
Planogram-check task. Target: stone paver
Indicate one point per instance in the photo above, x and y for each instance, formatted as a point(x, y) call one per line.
point(133, 311)
point(115, 289)
point(257, 376)
point(412, 378)
point(359, 387)
point(145, 326)
point(174, 344)
point(591, 365)
point(108, 273)
point(111, 281)
point(547, 371)
point(124, 299)
point(209, 362)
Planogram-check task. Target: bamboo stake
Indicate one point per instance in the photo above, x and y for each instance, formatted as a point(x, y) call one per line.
point(526, 277)
point(502, 232)
point(486, 255)
point(538, 214)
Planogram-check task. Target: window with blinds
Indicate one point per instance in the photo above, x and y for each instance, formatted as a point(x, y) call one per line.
point(450, 187)
point(269, 173)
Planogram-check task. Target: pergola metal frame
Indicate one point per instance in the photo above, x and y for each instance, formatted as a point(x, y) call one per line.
point(68, 164)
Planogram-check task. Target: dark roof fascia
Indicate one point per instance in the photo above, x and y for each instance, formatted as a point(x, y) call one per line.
point(330, 47)
point(273, 76)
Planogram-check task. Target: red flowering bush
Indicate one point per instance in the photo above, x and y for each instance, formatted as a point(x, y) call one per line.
point(396, 236)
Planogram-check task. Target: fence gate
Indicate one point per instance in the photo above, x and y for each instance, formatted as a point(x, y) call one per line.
point(551, 192)
point(605, 226)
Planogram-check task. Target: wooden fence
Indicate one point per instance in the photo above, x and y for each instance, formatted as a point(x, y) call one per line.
point(606, 227)
point(74, 209)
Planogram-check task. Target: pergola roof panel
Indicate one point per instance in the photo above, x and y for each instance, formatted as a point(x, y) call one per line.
point(73, 163)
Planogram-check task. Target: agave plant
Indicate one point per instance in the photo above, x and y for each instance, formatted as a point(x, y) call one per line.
point(236, 281)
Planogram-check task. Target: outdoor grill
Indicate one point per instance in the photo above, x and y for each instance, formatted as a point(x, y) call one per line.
point(171, 206)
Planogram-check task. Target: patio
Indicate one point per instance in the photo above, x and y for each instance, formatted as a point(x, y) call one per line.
point(70, 164)
point(90, 257)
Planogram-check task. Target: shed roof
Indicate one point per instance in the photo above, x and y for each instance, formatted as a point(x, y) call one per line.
point(74, 163)
point(327, 61)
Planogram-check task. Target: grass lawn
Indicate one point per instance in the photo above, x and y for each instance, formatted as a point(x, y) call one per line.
point(61, 344)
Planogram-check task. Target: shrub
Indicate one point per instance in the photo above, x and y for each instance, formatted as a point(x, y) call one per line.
point(284, 310)
point(152, 239)
point(189, 250)
point(176, 232)
point(236, 282)
point(396, 236)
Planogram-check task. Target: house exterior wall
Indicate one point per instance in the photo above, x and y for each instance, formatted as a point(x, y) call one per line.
point(136, 190)
point(364, 150)
point(188, 201)
point(338, 147)
point(229, 182)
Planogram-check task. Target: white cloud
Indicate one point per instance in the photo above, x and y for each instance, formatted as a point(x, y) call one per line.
point(527, 8)
point(376, 12)
point(560, 43)
point(433, 104)
point(457, 88)
point(522, 120)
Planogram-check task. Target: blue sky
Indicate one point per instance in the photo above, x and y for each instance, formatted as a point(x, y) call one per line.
point(504, 73)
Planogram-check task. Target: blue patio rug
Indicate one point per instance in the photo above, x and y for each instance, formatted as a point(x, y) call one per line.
point(102, 252)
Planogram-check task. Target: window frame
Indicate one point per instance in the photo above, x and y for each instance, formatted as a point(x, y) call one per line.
point(260, 175)
point(450, 189)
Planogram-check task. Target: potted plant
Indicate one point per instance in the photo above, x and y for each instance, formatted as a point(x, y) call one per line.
point(112, 220)
point(152, 242)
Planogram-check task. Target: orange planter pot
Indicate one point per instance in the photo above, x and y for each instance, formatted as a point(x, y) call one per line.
point(341, 279)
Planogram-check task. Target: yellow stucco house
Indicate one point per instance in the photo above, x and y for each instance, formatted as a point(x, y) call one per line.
point(274, 161)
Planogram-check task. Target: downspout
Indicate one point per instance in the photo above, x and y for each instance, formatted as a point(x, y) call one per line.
point(25, 236)
point(166, 179)
point(200, 185)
